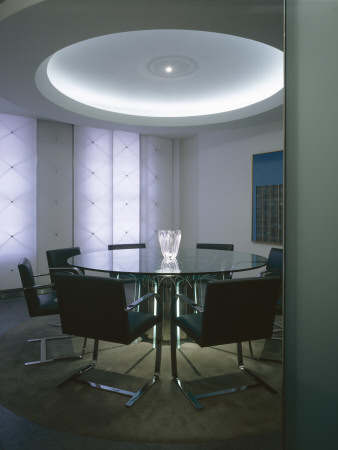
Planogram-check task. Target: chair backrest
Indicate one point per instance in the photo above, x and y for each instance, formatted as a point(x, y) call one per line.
point(275, 261)
point(125, 246)
point(58, 258)
point(239, 310)
point(28, 281)
point(92, 307)
point(229, 247)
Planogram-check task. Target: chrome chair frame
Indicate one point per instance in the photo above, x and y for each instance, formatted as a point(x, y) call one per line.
point(134, 396)
point(129, 278)
point(33, 290)
point(203, 279)
point(194, 398)
point(57, 261)
point(274, 268)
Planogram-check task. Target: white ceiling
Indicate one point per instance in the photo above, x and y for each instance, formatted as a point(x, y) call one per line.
point(30, 36)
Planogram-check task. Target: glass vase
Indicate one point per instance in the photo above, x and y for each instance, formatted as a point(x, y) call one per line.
point(169, 242)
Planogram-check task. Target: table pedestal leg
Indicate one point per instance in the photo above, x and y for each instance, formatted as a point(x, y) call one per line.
point(167, 287)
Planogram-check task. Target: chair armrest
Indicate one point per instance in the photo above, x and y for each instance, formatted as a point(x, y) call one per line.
point(73, 270)
point(190, 302)
point(270, 274)
point(38, 286)
point(41, 275)
point(140, 300)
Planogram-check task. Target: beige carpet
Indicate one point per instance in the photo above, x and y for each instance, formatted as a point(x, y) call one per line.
point(163, 414)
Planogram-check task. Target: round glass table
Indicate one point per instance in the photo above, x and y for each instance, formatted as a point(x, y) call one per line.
point(149, 262)
point(168, 277)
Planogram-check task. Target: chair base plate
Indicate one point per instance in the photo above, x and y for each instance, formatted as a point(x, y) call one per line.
point(43, 350)
point(194, 398)
point(134, 395)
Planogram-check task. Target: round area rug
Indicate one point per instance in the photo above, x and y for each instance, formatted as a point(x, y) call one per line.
point(163, 414)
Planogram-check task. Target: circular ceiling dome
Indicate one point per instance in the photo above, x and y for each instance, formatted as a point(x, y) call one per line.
point(174, 77)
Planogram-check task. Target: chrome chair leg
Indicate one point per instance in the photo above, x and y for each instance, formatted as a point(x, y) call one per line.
point(43, 351)
point(84, 347)
point(134, 396)
point(158, 355)
point(194, 399)
point(247, 372)
point(190, 396)
point(277, 329)
point(173, 348)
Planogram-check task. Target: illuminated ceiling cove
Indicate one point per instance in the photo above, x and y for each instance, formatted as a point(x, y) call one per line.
point(159, 67)
point(192, 75)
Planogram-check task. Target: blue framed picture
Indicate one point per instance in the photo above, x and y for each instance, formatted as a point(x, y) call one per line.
point(267, 197)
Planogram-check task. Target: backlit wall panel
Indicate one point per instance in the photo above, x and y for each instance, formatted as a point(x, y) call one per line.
point(54, 189)
point(189, 184)
point(93, 188)
point(156, 192)
point(17, 196)
point(126, 188)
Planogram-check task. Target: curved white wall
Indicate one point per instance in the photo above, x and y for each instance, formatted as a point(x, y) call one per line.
point(216, 185)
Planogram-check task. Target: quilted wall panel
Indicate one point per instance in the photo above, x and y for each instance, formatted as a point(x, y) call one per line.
point(54, 189)
point(126, 188)
point(93, 188)
point(17, 196)
point(156, 189)
point(62, 186)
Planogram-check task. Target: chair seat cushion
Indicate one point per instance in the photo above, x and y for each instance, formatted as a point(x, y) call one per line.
point(48, 304)
point(191, 324)
point(140, 322)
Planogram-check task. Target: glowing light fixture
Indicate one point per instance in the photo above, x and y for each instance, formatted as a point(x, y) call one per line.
point(162, 74)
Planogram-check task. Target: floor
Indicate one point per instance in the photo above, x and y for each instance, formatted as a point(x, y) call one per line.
point(17, 433)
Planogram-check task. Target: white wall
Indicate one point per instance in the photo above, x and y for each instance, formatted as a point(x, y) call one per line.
point(216, 185)
point(311, 287)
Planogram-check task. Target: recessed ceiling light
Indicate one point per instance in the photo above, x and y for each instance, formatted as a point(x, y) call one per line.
point(162, 74)
point(172, 65)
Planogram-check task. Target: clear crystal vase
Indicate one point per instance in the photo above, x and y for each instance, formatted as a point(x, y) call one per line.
point(169, 242)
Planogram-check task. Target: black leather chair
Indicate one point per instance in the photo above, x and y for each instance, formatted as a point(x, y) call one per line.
point(129, 279)
point(274, 268)
point(96, 308)
point(201, 280)
point(229, 247)
point(125, 246)
point(234, 311)
point(39, 304)
point(57, 260)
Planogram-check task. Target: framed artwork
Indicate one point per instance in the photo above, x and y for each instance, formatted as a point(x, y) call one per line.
point(267, 197)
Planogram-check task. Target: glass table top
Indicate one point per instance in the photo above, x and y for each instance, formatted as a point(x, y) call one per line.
point(148, 261)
